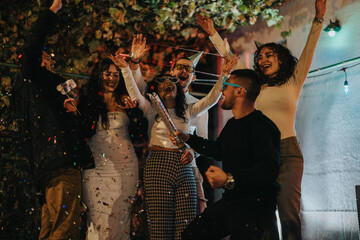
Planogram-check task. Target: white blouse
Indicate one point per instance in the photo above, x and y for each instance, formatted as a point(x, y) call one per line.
point(159, 136)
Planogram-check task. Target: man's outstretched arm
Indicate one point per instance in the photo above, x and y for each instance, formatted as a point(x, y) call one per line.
point(208, 148)
point(32, 52)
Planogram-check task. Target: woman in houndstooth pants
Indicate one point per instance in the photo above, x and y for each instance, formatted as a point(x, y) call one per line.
point(168, 178)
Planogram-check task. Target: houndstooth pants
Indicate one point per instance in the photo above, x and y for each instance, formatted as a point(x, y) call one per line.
point(170, 195)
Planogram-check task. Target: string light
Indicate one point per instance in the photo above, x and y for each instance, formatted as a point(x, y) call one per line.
point(210, 82)
point(346, 84)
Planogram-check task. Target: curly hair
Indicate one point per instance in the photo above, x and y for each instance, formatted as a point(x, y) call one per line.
point(287, 64)
point(180, 100)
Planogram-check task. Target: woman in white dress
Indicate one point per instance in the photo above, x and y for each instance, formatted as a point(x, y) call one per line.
point(108, 188)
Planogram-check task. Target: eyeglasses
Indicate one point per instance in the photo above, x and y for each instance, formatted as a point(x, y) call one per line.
point(231, 84)
point(180, 67)
point(169, 78)
point(112, 74)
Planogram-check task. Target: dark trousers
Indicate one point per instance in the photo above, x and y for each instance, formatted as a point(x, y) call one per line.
point(60, 216)
point(226, 218)
point(291, 171)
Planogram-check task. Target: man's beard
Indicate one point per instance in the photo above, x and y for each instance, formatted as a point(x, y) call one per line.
point(228, 104)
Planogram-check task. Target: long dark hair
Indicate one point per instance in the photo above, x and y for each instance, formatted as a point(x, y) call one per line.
point(96, 95)
point(93, 105)
point(180, 103)
point(286, 67)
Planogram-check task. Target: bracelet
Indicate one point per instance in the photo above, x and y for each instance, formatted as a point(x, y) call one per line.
point(134, 61)
point(318, 20)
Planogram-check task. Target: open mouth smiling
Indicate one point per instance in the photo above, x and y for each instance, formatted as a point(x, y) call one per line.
point(266, 66)
point(168, 88)
point(110, 84)
point(182, 78)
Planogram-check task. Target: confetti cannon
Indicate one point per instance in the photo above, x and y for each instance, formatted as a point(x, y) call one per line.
point(165, 117)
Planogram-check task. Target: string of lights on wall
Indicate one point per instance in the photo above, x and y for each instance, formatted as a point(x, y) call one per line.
point(312, 74)
point(212, 81)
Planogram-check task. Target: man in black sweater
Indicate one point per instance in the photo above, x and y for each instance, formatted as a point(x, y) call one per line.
point(51, 138)
point(248, 147)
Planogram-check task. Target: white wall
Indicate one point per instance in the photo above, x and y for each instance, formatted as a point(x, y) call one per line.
point(327, 120)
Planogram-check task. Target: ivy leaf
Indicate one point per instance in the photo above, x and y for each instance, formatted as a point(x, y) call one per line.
point(285, 34)
point(93, 45)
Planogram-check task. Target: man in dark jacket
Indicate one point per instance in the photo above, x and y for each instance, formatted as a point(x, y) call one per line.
point(248, 147)
point(51, 137)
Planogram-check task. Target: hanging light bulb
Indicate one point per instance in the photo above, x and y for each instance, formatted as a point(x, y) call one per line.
point(346, 84)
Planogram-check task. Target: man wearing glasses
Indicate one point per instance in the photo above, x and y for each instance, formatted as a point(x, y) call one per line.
point(248, 147)
point(184, 69)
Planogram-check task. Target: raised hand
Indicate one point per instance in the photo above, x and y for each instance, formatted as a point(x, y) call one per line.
point(206, 23)
point(216, 177)
point(138, 47)
point(320, 7)
point(118, 60)
point(56, 6)
point(228, 65)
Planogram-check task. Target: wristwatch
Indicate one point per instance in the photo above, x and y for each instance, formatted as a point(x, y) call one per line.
point(230, 182)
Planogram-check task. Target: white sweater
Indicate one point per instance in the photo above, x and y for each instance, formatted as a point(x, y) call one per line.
point(279, 103)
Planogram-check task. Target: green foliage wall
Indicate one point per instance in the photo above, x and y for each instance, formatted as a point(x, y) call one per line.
point(85, 31)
